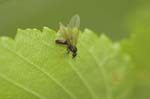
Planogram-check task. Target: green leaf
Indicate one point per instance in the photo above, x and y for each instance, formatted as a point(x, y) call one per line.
point(32, 66)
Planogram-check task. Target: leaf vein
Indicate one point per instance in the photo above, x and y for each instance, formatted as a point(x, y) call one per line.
point(22, 87)
point(79, 75)
point(43, 71)
point(100, 65)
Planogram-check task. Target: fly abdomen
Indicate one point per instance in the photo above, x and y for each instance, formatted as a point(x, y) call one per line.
point(64, 42)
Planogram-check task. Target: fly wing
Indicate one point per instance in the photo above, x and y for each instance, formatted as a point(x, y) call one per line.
point(63, 31)
point(73, 28)
point(74, 22)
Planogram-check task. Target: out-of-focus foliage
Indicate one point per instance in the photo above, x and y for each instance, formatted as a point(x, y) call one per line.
point(138, 46)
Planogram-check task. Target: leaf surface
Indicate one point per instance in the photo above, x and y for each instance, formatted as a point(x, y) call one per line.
point(32, 66)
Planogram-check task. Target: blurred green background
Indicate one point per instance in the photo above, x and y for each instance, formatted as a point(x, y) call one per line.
point(102, 16)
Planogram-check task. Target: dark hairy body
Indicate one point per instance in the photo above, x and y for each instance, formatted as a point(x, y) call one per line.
point(70, 47)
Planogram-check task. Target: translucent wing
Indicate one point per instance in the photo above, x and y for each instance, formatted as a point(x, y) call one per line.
point(71, 32)
point(63, 31)
point(73, 28)
point(74, 22)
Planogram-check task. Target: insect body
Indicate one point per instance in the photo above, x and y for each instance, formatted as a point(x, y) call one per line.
point(70, 47)
point(70, 34)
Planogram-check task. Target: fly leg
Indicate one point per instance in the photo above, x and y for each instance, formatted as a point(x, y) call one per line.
point(68, 50)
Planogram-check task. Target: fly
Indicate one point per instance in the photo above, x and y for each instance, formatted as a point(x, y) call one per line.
point(70, 34)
